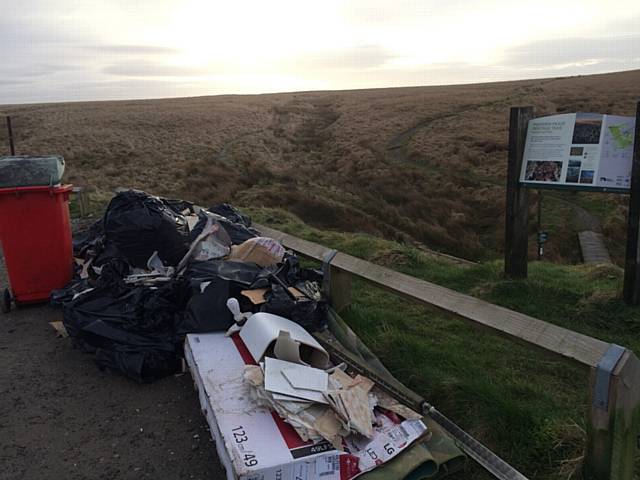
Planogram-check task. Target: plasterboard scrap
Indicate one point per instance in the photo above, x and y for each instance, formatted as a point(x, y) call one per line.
point(280, 397)
point(254, 375)
point(328, 425)
point(294, 407)
point(352, 406)
point(274, 381)
point(339, 379)
point(387, 402)
point(311, 421)
point(61, 331)
point(319, 421)
point(303, 426)
point(307, 378)
point(349, 397)
point(359, 411)
point(363, 382)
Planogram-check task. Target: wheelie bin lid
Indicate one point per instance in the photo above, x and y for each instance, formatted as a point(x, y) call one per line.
point(57, 189)
point(29, 171)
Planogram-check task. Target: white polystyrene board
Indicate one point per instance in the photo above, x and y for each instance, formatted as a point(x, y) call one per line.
point(217, 367)
point(275, 381)
point(216, 435)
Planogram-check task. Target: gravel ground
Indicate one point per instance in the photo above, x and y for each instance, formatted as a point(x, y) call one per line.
point(62, 418)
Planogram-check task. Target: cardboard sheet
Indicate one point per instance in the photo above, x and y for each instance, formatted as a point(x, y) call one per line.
point(257, 295)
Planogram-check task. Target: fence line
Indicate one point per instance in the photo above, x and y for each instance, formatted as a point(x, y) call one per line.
point(614, 415)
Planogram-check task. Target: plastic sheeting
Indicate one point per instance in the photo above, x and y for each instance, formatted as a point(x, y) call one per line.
point(131, 331)
point(29, 171)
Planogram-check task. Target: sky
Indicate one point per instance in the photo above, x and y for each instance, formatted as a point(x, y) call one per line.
point(69, 50)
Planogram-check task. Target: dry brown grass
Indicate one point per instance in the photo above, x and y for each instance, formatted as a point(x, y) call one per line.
point(422, 164)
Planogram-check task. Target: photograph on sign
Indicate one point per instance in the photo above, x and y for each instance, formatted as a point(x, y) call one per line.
point(576, 150)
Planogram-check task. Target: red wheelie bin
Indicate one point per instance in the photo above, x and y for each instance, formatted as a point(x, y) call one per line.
point(35, 233)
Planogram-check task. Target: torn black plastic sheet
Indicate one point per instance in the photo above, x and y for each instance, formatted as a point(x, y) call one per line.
point(123, 328)
point(245, 274)
point(207, 309)
point(307, 313)
point(90, 238)
point(231, 213)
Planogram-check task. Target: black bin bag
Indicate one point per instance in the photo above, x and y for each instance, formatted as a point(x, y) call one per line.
point(131, 331)
point(138, 224)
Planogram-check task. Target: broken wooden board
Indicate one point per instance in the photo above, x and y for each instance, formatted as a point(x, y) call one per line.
point(257, 295)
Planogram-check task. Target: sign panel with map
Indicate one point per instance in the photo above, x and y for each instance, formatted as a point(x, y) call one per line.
point(579, 150)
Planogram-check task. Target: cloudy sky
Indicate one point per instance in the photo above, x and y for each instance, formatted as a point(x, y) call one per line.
point(58, 50)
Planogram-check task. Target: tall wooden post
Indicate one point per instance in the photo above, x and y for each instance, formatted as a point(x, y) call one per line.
point(631, 289)
point(10, 132)
point(517, 208)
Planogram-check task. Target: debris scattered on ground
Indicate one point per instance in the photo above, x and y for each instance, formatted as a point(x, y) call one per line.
point(61, 332)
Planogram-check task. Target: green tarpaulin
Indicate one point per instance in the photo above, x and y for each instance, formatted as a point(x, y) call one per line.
point(433, 457)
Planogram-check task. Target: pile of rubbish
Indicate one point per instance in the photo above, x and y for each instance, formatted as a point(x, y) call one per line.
point(152, 270)
point(162, 283)
point(319, 404)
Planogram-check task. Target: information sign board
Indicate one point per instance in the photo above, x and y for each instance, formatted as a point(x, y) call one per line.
point(587, 151)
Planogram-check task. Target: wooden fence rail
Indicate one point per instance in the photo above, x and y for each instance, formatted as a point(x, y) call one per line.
point(614, 414)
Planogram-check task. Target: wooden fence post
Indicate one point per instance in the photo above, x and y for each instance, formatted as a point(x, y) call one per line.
point(340, 289)
point(631, 289)
point(613, 433)
point(517, 208)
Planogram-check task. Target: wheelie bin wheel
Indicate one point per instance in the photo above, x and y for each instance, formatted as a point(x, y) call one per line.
point(6, 301)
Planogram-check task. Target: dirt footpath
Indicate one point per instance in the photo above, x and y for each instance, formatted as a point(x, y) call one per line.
point(62, 418)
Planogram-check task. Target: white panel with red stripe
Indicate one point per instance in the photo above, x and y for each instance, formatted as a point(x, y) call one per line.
point(262, 446)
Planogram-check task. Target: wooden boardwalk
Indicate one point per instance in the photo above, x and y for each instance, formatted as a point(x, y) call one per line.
point(593, 247)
